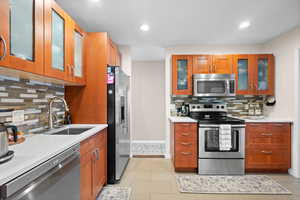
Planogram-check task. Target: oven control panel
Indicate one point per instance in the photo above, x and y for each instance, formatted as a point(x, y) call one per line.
point(216, 107)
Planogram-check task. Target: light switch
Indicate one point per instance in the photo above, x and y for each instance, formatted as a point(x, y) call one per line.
point(17, 117)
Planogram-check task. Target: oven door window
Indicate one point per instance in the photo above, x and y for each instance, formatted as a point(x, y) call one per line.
point(212, 141)
point(211, 87)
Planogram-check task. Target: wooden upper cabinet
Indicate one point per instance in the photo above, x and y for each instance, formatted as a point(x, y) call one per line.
point(58, 37)
point(222, 64)
point(21, 35)
point(202, 64)
point(264, 74)
point(254, 74)
point(77, 70)
point(212, 64)
point(182, 70)
point(243, 69)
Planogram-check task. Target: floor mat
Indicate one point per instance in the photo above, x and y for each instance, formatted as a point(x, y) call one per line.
point(248, 184)
point(115, 193)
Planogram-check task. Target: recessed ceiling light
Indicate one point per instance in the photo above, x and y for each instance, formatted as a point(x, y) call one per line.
point(244, 25)
point(145, 27)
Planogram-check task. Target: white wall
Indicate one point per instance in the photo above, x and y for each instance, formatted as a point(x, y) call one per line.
point(148, 101)
point(286, 50)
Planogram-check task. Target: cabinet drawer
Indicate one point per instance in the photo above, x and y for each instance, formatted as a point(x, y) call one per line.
point(268, 158)
point(186, 159)
point(277, 134)
point(184, 132)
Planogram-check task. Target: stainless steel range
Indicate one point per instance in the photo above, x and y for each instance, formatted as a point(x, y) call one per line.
point(221, 140)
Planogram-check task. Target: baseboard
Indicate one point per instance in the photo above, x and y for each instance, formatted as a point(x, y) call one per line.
point(148, 156)
point(148, 147)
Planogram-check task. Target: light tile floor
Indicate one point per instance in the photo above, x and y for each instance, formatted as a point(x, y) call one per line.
point(154, 179)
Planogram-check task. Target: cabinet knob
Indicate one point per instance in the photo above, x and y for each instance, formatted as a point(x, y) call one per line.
point(186, 143)
point(185, 134)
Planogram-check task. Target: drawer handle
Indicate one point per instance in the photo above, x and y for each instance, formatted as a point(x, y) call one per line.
point(267, 152)
point(186, 143)
point(186, 153)
point(184, 124)
point(280, 125)
point(266, 134)
point(185, 134)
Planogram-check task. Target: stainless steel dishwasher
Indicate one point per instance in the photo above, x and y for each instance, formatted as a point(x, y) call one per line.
point(57, 178)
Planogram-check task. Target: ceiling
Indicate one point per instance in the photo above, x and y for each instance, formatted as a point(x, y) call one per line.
point(185, 22)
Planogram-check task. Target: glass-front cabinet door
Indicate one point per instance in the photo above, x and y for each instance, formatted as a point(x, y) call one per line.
point(243, 74)
point(77, 68)
point(182, 75)
point(21, 35)
point(264, 74)
point(57, 41)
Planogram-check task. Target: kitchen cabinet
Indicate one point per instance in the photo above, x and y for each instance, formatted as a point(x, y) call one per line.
point(21, 35)
point(254, 74)
point(93, 164)
point(77, 70)
point(182, 69)
point(268, 147)
point(202, 64)
point(114, 58)
point(58, 41)
point(215, 64)
point(184, 146)
point(222, 64)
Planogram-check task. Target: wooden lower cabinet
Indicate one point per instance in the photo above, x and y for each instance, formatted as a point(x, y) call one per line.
point(184, 146)
point(93, 165)
point(268, 147)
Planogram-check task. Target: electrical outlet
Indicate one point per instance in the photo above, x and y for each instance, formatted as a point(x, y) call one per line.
point(18, 117)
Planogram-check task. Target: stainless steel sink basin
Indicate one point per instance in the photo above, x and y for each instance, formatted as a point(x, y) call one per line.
point(68, 131)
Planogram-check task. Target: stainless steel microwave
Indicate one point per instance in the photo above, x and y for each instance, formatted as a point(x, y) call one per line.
point(214, 85)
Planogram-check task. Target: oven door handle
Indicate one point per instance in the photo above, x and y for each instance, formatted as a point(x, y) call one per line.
point(218, 126)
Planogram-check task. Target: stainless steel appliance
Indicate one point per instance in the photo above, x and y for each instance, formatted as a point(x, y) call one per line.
point(118, 123)
point(57, 178)
point(5, 154)
point(212, 158)
point(207, 85)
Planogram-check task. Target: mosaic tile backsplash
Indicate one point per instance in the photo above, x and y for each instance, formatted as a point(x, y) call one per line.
point(32, 97)
point(238, 106)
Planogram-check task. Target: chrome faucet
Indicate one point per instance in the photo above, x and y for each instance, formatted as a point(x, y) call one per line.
point(51, 101)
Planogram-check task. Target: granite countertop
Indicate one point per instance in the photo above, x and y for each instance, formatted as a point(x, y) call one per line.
point(182, 120)
point(39, 148)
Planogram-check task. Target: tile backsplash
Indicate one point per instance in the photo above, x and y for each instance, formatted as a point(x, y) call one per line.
point(238, 106)
point(32, 97)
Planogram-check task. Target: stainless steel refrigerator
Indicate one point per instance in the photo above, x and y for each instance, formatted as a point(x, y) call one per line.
point(118, 123)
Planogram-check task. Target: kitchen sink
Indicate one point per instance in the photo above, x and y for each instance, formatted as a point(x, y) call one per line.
point(68, 131)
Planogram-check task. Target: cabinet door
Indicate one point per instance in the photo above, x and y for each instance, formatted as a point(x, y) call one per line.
point(100, 163)
point(21, 35)
point(222, 64)
point(111, 53)
point(86, 176)
point(202, 64)
point(242, 66)
point(77, 67)
point(264, 74)
point(57, 41)
point(182, 75)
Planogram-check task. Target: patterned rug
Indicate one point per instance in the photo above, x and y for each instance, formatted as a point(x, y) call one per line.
point(248, 184)
point(115, 193)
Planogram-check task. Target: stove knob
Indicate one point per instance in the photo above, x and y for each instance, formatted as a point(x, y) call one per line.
point(222, 107)
point(218, 107)
point(198, 107)
point(193, 107)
